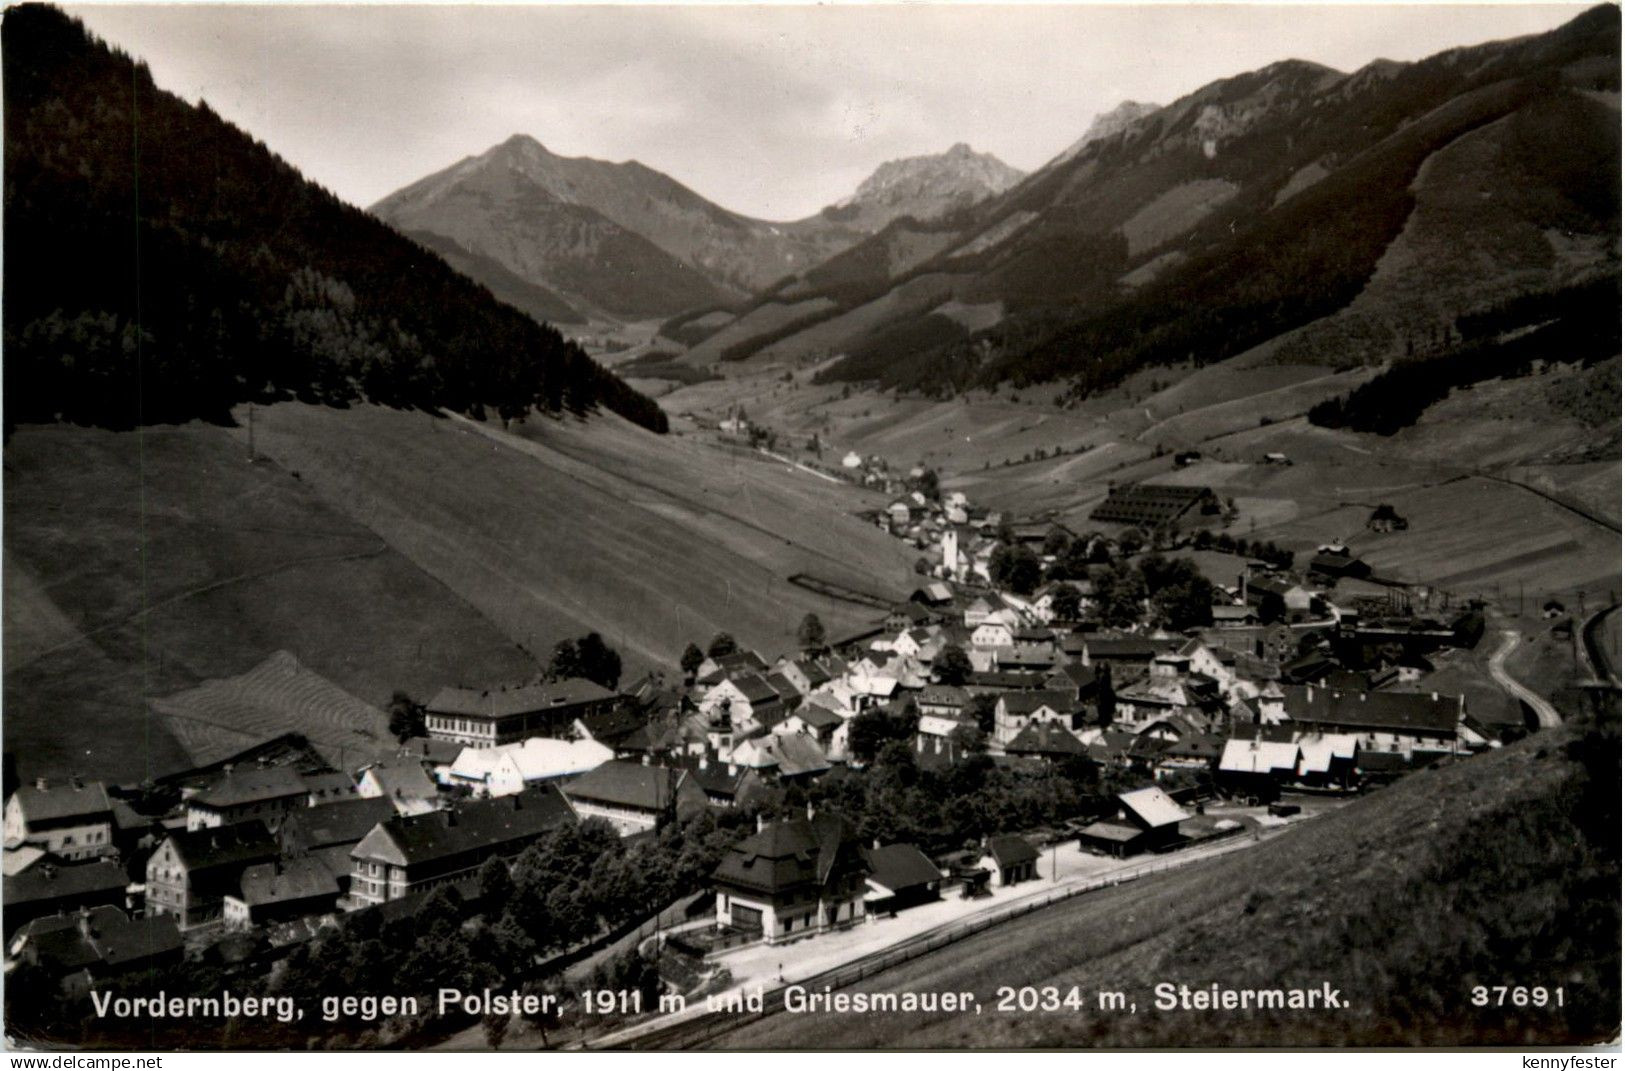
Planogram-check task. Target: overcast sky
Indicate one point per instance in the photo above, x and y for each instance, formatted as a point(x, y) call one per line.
point(774, 112)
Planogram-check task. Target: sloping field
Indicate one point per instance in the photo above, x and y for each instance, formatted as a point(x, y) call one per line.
point(573, 526)
point(1495, 870)
point(173, 560)
point(756, 323)
point(221, 717)
point(915, 297)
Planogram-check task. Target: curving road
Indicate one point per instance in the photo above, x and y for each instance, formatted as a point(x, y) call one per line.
point(1548, 716)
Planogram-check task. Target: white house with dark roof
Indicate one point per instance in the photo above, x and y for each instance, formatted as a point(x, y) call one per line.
point(1017, 710)
point(72, 820)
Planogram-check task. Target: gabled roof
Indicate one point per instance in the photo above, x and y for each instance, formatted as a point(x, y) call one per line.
point(539, 758)
point(896, 867)
point(57, 803)
point(429, 749)
point(794, 854)
point(102, 935)
point(781, 686)
point(254, 784)
point(628, 784)
point(47, 881)
point(344, 822)
point(402, 779)
point(819, 716)
point(519, 699)
point(1007, 849)
point(1320, 750)
point(1025, 703)
point(1258, 756)
point(238, 844)
point(795, 754)
point(1045, 738)
point(814, 672)
point(1374, 711)
point(1152, 806)
point(1203, 746)
point(283, 882)
point(330, 784)
point(944, 695)
point(408, 840)
point(754, 687)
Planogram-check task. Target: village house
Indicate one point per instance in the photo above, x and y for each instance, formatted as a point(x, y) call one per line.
point(1010, 860)
point(1328, 760)
point(92, 945)
point(993, 633)
point(816, 720)
point(1255, 764)
point(1017, 710)
point(412, 854)
point(72, 820)
point(281, 891)
point(510, 768)
point(1298, 599)
point(806, 675)
point(635, 797)
point(793, 878)
point(907, 615)
point(748, 700)
point(193, 871)
point(942, 699)
point(265, 793)
point(900, 876)
point(718, 667)
point(1401, 722)
point(46, 889)
point(492, 716)
point(1231, 616)
point(1046, 740)
point(1147, 819)
point(783, 756)
point(327, 834)
point(404, 782)
point(725, 784)
point(937, 738)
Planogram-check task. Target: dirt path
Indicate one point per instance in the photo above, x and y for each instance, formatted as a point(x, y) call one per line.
point(1544, 711)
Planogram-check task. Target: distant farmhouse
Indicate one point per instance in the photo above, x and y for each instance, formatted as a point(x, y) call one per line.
point(1151, 506)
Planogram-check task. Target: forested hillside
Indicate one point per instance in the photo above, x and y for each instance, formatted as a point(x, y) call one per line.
point(163, 265)
point(1405, 194)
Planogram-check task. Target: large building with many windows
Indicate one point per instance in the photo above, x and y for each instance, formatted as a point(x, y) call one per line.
point(489, 717)
point(415, 853)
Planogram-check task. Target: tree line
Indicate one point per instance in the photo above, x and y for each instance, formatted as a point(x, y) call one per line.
point(166, 266)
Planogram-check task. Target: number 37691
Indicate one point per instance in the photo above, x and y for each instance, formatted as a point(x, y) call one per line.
point(1517, 996)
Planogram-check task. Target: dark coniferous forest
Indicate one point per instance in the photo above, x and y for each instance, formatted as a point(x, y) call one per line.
point(163, 265)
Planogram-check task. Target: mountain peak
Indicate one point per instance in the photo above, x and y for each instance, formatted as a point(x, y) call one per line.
point(1106, 124)
point(929, 186)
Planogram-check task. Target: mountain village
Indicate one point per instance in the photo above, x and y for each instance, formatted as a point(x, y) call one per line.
point(1295, 692)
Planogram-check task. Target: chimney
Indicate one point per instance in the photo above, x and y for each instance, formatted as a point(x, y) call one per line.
point(809, 810)
point(761, 824)
point(704, 761)
point(1435, 696)
point(41, 783)
point(76, 781)
point(645, 758)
